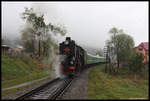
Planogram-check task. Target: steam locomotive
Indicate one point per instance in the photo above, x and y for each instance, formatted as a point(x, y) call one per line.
point(73, 57)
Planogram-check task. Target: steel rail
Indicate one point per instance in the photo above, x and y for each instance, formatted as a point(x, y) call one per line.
point(37, 89)
point(58, 93)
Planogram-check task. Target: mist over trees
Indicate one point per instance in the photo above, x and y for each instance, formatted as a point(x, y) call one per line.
point(37, 35)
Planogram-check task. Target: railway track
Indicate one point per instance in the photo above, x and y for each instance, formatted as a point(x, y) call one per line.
point(51, 90)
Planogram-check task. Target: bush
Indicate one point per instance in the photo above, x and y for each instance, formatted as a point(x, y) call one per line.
point(136, 63)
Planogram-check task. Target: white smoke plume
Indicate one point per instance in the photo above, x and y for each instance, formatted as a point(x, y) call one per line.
point(50, 12)
point(57, 67)
point(56, 63)
point(54, 59)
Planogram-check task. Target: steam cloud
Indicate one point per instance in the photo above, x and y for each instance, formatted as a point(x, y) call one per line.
point(51, 16)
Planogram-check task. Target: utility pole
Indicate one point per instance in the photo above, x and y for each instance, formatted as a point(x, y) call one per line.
point(39, 46)
point(108, 50)
point(106, 56)
point(39, 42)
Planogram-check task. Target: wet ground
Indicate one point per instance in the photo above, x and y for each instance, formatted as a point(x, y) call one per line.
point(79, 88)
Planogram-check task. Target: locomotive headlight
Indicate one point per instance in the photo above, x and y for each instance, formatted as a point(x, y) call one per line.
point(66, 42)
point(71, 62)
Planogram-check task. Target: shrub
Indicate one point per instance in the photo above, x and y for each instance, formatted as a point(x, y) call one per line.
point(136, 63)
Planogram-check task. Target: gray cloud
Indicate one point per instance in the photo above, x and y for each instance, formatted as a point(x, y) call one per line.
point(87, 23)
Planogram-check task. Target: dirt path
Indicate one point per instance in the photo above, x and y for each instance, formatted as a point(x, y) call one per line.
point(23, 84)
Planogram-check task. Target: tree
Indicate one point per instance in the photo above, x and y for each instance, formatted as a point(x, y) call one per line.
point(28, 38)
point(136, 63)
point(113, 42)
point(124, 46)
point(120, 46)
point(37, 33)
point(113, 30)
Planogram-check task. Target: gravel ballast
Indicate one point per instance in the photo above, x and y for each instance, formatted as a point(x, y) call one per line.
point(79, 88)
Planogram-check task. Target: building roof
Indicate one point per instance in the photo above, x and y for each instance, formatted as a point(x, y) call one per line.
point(144, 45)
point(5, 46)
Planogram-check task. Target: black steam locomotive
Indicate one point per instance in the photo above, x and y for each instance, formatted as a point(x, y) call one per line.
point(73, 57)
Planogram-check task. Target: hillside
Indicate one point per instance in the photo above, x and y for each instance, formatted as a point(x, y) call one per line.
point(17, 71)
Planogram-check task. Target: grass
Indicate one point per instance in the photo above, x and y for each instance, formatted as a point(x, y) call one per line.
point(105, 86)
point(13, 68)
point(26, 78)
point(16, 71)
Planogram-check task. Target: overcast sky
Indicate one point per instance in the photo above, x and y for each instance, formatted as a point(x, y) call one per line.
point(87, 23)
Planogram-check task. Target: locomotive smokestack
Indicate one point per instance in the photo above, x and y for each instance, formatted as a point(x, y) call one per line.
point(68, 38)
point(73, 41)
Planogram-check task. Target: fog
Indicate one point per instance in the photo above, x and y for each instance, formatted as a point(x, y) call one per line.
point(88, 23)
